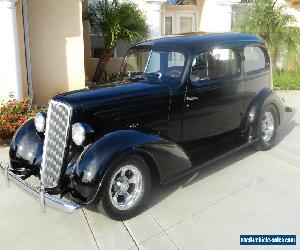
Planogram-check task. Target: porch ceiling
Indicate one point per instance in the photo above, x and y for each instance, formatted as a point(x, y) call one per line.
point(294, 3)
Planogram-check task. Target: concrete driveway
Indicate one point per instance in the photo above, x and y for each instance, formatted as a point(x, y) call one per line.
point(247, 193)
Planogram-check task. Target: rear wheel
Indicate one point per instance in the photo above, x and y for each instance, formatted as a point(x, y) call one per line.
point(126, 188)
point(268, 127)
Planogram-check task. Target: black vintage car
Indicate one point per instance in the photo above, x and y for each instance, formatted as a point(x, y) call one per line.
point(182, 102)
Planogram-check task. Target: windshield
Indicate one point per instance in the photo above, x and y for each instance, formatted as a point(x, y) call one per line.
point(155, 65)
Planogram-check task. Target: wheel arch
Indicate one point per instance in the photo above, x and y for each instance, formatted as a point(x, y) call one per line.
point(265, 97)
point(164, 157)
point(152, 164)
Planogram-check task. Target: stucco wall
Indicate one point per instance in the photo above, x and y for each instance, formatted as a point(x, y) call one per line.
point(216, 15)
point(293, 8)
point(56, 44)
point(294, 3)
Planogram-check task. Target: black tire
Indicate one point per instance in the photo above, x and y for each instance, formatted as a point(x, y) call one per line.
point(108, 205)
point(263, 144)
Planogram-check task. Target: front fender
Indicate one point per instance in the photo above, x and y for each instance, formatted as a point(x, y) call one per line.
point(169, 158)
point(26, 150)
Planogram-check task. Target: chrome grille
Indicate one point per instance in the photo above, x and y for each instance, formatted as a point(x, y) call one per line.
point(54, 150)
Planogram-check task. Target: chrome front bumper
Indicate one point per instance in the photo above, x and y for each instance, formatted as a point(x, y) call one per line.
point(39, 194)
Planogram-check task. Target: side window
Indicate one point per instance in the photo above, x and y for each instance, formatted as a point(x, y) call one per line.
point(254, 59)
point(214, 64)
point(199, 68)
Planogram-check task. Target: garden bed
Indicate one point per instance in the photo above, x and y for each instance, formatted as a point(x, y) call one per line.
point(287, 80)
point(4, 143)
point(12, 115)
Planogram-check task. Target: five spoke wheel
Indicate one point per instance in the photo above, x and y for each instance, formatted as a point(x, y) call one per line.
point(125, 187)
point(267, 126)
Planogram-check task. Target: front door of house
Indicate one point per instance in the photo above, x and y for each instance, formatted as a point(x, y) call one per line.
point(179, 22)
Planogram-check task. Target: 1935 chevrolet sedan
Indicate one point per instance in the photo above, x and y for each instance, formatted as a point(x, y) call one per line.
point(182, 102)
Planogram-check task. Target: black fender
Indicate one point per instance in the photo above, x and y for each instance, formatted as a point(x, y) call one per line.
point(265, 97)
point(167, 157)
point(26, 150)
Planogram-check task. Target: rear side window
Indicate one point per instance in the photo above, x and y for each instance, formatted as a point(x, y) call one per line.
point(214, 64)
point(254, 59)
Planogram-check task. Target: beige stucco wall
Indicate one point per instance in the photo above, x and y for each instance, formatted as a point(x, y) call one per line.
point(294, 3)
point(56, 45)
point(183, 8)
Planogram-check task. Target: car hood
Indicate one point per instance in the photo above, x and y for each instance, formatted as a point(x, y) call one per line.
point(113, 106)
point(112, 92)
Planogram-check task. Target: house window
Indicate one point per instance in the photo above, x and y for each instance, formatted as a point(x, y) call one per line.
point(168, 25)
point(214, 64)
point(186, 24)
point(179, 22)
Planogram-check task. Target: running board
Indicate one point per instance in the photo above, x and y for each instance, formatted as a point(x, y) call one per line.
point(198, 167)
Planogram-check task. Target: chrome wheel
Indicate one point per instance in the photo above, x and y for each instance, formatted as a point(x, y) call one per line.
point(126, 187)
point(267, 126)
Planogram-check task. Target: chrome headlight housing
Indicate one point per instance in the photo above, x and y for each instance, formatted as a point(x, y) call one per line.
point(81, 133)
point(40, 122)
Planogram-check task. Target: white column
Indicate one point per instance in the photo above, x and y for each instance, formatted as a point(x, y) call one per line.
point(10, 72)
point(153, 15)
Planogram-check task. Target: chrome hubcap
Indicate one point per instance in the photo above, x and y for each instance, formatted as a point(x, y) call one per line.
point(126, 187)
point(267, 126)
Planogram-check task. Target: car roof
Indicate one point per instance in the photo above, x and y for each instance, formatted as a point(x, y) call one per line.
point(194, 41)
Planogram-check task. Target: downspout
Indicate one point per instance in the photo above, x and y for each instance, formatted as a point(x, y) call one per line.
point(27, 48)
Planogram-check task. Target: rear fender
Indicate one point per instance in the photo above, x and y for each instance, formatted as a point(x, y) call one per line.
point(96, 160)
point(264, 97)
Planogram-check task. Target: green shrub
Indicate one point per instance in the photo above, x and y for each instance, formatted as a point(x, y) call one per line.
point(287, 80)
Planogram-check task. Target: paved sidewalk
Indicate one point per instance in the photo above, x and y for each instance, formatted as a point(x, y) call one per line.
point(246, 193)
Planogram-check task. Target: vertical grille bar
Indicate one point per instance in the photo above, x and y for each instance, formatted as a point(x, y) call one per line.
point(55, 144)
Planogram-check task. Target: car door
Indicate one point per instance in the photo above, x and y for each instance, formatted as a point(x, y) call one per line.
point(213, 100)
point(257, 73)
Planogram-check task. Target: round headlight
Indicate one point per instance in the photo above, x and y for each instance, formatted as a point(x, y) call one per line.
point(40, 122)
point(80, 132)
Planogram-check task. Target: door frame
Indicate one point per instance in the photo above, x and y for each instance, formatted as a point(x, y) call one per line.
point(27, 48)
point(193, 92)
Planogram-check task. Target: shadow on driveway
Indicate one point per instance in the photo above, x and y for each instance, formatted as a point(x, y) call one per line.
point(160, 192)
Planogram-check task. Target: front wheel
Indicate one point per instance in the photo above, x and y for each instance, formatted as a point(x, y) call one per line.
point(126, 188)
point(267, 128)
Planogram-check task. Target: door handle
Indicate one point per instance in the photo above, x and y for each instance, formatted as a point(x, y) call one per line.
point(191, 98)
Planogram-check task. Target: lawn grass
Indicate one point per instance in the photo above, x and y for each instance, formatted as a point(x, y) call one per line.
point(287, 80)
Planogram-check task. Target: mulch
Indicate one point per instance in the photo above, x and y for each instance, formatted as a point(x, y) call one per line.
point(4, 143)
